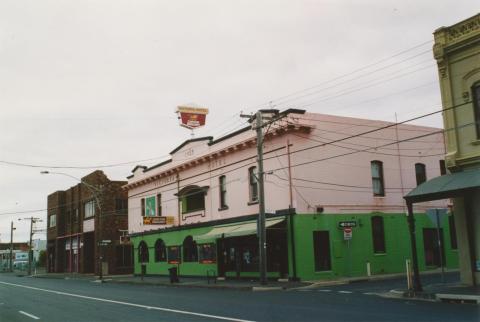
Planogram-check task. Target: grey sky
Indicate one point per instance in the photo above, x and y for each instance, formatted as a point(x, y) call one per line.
point(97, 82)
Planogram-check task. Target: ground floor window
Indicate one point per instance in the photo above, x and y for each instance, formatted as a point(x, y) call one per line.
point(207, 253)
point(173, 253)
point(143, 256)
point(321, 249)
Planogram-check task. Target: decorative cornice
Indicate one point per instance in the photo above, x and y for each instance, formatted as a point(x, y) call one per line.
point(463, 29)
point(218, 153)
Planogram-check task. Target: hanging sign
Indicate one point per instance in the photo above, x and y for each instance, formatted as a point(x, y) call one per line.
point(192, 117)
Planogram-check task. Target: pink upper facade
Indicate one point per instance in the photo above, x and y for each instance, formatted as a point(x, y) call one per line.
point(309, 166)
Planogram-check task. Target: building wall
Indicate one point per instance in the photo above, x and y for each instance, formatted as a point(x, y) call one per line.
point(457, 51)
point(338, 184)
point(82, 235)
point(347, 258)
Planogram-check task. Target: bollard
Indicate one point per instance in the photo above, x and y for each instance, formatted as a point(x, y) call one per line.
point(369, 270)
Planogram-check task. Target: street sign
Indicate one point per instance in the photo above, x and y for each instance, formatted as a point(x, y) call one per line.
point(350, 223)
point(104, 242)
point(347, 233)
point(433, 212)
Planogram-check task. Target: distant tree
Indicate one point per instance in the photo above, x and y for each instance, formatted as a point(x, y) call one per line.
point(42, 258)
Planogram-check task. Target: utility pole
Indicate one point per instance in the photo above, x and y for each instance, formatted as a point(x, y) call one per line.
point(11, 246)
point(261, 230)
point(262, 240)
point(30, 250)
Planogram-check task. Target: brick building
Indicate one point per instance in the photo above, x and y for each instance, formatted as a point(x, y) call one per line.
point(79, 218)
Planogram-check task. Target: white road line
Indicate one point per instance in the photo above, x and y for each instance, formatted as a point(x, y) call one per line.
point(29, 315)
point(217, 317)
point(345, 292)
point(324, 290)
point(369, 293)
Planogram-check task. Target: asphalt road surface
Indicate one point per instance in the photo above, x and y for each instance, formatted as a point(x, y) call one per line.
point(33, 299)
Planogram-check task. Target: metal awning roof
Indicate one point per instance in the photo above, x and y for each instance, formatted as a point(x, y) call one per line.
point(235, 230)
point(446, 186)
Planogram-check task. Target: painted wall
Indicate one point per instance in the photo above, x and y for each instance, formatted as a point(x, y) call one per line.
point(352, 260)
point(346, 260)
point(458, 57)
point(338, 184)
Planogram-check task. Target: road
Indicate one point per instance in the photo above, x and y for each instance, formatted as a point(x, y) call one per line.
point(32, 299)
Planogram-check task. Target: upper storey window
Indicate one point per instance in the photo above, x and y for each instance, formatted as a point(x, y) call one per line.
point(476, 106)
point(377, 178)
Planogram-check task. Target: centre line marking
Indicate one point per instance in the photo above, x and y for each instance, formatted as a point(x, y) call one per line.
point(217, 317)
point(345, 292)
point(29, 315)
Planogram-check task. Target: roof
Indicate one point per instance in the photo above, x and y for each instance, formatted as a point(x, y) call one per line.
point(446, 186)
point(209, 138)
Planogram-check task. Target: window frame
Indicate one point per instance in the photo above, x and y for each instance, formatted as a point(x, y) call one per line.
point(93, 208)
point(380, 179)
point(189, 196)
point(420, 173)
point(212, 251)
point(476, 106)
point(253, 184)
point(378, 235)
point(54, 216)
point(222, 189)
point(143, 252)
point(160, 251)
point(159, 204)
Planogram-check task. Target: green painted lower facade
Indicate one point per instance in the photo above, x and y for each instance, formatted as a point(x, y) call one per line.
point(347, 258)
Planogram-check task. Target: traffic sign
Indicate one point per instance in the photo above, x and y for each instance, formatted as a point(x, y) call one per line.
point(347, 233)
point(349, 223)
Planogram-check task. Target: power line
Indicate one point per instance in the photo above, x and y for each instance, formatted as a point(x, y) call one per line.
point(348, 74)
point(357, 77)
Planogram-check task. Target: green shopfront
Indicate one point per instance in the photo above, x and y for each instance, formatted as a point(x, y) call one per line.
point(304, 246)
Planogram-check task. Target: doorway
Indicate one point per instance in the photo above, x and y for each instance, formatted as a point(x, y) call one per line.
point(434, 256)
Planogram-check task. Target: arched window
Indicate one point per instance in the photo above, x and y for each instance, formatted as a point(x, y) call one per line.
point(190, 252)
point(420, 173)
point(377, 178)
point(253, 184)
point(143, 252)
point(160, 251)
point(378, 234)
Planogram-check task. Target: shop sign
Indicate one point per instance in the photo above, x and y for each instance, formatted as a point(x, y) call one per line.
point(192, 117)
point(160, 220)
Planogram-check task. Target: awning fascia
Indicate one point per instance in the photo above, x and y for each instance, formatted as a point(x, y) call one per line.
point(446, 186)
point(236, 230)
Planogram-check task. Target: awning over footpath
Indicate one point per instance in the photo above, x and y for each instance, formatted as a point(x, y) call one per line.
point(234, 230)
point(446, 186)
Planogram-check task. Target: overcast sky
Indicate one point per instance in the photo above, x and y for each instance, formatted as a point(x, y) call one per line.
point(89, 83)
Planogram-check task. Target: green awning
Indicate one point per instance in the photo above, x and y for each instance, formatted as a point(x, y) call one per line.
point(234, 230)
point(446, 186)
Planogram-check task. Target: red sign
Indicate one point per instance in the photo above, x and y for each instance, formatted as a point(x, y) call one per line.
point(347, 233)
point(192, 117)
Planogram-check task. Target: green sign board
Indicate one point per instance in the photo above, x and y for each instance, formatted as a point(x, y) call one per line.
point(150, 207)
